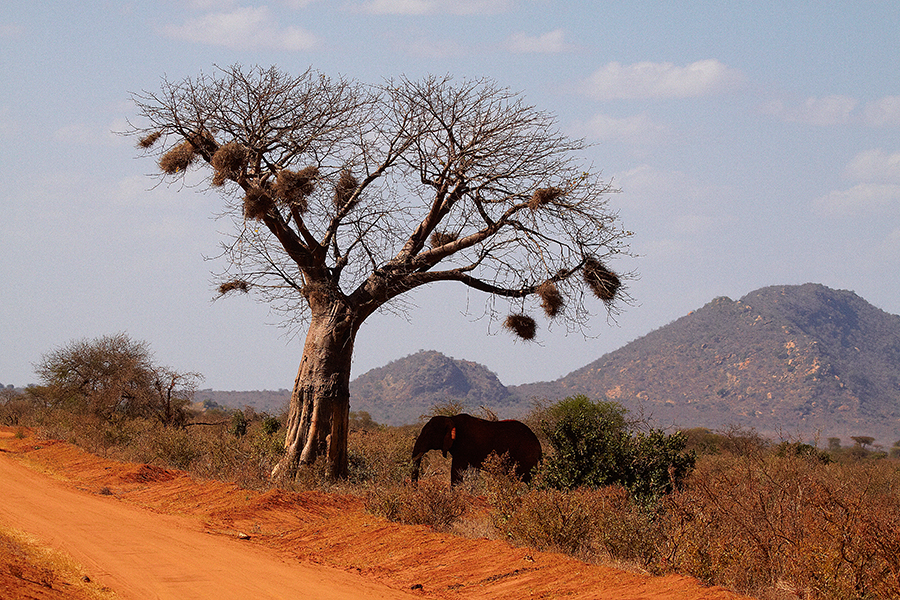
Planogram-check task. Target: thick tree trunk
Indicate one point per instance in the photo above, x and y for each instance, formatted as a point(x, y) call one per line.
point(318, 420)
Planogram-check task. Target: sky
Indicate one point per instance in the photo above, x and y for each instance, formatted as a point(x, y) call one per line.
point(754, 144)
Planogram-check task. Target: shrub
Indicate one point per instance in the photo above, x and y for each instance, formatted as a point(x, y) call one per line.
point(589, 440)
point(175, 447)
point(767, 520)
point(381, 454)
point(431, 503)
point(594, 446)
point(586, 523)
point(659, 464)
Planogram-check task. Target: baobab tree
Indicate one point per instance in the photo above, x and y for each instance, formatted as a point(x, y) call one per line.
point(346, 196)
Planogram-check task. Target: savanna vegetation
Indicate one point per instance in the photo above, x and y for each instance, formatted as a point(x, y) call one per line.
point(774, 520)
point(346, 196)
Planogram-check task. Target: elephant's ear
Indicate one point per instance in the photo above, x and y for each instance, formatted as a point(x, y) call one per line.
point(448, 440)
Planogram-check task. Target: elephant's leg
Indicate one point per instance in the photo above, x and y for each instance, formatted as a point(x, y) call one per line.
point(456, 471)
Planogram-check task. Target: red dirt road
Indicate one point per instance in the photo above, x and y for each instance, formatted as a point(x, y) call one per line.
point(147, 532)
point(142, 555)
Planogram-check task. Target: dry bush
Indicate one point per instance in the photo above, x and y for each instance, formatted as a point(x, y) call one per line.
point(764, 522)
point(590, 524)
point(503, 490)
point(381, 454)
point(431, 502)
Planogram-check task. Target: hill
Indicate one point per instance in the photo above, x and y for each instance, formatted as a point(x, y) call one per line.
point(786, 360)
point(801, 360)
point(273, 402)
point(403, 390)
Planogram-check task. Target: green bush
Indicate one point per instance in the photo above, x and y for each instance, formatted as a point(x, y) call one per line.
point(593, 445)
point(590, 441)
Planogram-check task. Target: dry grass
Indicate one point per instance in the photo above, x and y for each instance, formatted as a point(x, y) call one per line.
point(765, 522)
point(149, 140)
point(228, 162)
point(432, 502)
point(179, 158)
point(235, 285)
point(293, 187)
point(343, 192)
point(545, 196)
point(23, 557)
point(257, 203)
point(439, 238)
point(769, 524)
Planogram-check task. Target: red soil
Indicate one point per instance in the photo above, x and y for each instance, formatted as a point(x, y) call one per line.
point(148, 532)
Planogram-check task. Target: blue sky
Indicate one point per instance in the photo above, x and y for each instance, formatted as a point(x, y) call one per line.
point(755, 144)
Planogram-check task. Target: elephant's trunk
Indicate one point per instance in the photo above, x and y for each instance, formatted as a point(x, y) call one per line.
point(416, 463)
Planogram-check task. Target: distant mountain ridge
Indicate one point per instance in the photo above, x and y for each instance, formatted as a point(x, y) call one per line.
point(787, 360)
point(404, 389)
point(802, 360)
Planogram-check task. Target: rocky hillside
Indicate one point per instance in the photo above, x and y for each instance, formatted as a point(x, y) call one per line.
point(787, 360)
point(401, 391)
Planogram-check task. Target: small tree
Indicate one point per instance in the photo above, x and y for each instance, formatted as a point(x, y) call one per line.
point(590, 440)
point(863, 441)
point(101, 377)
point(595, 445)
point(170, 394)
point(113, 375)
point(345, 197)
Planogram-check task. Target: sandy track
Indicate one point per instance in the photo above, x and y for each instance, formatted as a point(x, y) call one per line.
point(144, 555)
point(148, 532)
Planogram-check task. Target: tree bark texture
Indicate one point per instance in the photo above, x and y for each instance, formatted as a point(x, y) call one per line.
point(318, 418)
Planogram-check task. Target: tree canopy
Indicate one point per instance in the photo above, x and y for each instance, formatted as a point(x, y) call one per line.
point(114, 375)
point(346, 196)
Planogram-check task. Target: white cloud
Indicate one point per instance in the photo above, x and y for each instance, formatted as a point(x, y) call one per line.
point(427, 7)
point(548, 43)
point(883, 112)
point(633, 129)
point(878, 190)
point(861, 198)
point(243, 28)
point(874, 166)
point(829, 110)
point(661, 80)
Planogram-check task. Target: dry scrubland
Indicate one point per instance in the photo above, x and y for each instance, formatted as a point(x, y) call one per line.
point(769, 520)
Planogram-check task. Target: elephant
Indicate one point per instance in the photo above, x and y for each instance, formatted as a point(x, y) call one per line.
point(470, 440)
